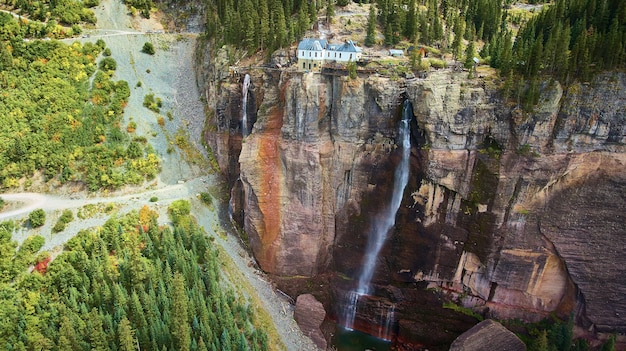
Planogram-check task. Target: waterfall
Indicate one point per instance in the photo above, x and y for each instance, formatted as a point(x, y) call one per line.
point(382, 226)
point(244, 103)
point(386, 318)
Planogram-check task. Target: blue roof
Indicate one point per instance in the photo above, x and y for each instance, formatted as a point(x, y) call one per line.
point(312, 44)
point(348, 46)
point(315, 44)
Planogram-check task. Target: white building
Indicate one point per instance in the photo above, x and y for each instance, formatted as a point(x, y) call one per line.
point(313, 53)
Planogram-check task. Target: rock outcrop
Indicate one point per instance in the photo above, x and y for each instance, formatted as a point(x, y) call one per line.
point(488, 335)
point(309, 315)
point(517, 214)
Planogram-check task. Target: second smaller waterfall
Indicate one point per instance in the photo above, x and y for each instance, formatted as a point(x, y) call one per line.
point(244, 102)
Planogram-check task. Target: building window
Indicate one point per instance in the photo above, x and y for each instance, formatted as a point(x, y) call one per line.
point(335, 55)
point(302, 54)
point(339, 55)
point(315, 65)
point(350, 56)
point(309, 54)
point(316, 54)
point(309, 66)
point(303, 65)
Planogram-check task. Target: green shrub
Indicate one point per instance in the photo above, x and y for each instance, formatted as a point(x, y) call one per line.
point(37, 218)
point(154, 199)
point(148, 48)
point(1, 203)
point(65, 218)
point(58, 227)
point(108, 64)
point(437, 63)
point(151, 103)
point(206, 198)
point(179, 209)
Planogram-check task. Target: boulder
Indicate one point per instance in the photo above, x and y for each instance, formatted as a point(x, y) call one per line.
point(309, 315)
point(488, 335)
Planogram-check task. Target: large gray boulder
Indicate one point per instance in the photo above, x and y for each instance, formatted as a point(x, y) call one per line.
point(488, 335)
point(309, 315)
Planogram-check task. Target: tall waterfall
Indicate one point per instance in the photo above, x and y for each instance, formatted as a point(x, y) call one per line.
point(244, 103)
point(382, 226)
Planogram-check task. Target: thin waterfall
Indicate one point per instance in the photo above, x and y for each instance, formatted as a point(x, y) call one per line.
point(382, 225)
point(244, 103)
point(386, 318)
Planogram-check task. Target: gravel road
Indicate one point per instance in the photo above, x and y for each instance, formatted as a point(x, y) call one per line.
point(170, 76)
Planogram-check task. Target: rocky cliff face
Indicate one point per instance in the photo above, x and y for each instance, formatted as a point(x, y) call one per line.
point(517, 214)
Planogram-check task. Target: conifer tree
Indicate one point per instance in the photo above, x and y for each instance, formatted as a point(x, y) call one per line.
point(410, 30)
point(179, 322)
point(96, 335)
point(330, 11)
point(541, 342)
point(370, 38)
point(264, 24)
point(67, 336)
point(303, 22)
point(126, 336)
point(458, 37)
point(469, 56)
point(312, 12)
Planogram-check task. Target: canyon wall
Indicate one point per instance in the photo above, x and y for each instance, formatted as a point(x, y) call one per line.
point(514, 214)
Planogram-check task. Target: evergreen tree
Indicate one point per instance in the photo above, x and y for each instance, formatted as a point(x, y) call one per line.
point(264, 24)
point(410, 30)
point(330, 11)
point(470, 53)
point(540, 343)
point(303, 22)
point(352, 70)
point(126, 336)
point(97, 337)
point(67, 336)
point(370, 38)
point(179, 322)
point(458, 37)
point(312, 12)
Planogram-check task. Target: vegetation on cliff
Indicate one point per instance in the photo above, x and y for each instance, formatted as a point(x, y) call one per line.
point(562, 40)
point(129, 284)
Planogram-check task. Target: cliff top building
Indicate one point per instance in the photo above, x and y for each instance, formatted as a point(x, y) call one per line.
point(313, 53)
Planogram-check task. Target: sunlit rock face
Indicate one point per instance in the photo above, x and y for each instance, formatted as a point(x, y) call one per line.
point(519, 214)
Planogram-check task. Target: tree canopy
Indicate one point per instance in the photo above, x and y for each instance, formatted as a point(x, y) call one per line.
point(120, 287)
point(61, 114)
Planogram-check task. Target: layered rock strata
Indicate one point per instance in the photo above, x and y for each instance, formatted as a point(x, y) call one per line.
point(518, 214)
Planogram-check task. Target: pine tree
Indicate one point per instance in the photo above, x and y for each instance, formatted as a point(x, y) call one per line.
point(410, 30)
point(352, 70)
point(264, 24)
point(179, 322)
point(95, 333)
point(541, 342)
point(370, 38)
point(303, 22)
point(312, 12)
point(330, 11)
point(458, 37)
point(469, 56)
point(67, 336)
point(126, 336)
